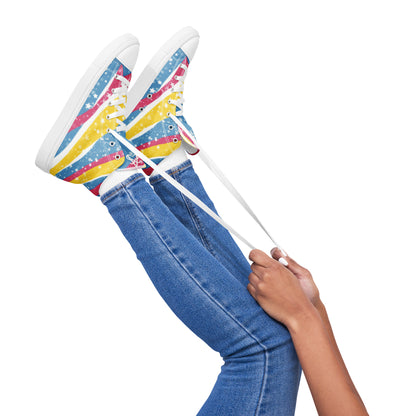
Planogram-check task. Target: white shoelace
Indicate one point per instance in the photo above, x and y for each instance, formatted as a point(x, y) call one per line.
point(220, 175)
point(226, 182)
point(178, 87)
point(119, 96)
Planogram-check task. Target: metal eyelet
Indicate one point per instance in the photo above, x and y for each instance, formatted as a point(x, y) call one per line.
point(107, 116)
point(112, 144)
point(170, 127)
point(168, 113)
point(175, 140)
point(141, 109)
point(149, 95)
point(108, 130)
point(117, 157)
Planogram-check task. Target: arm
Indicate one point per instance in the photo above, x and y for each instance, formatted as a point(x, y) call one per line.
point(289, 295)
point(325, 320)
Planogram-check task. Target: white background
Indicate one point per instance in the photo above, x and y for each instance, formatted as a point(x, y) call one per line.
point(309, 107)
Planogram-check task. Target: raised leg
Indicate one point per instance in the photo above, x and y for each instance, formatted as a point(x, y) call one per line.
point(215, 238)
point(261, 372)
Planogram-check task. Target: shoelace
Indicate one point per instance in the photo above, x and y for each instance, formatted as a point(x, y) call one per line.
point(220, 175)
point(119, 96)
point(213, 167)
point(178, 87)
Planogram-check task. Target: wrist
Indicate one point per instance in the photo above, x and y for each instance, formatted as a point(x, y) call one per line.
point(306, 316)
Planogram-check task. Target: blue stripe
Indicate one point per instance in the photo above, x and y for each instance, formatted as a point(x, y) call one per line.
point(67, 140)
point(100, 149)
point(92, 184)
point(100, 86)
point(92, 98)
point(170, 66)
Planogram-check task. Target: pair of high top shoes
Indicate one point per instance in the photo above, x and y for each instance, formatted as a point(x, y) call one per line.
point(82, 146)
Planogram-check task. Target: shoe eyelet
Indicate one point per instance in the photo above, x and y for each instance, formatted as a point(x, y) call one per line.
point(112, 144)
point(117, 157)
point(141, 109)
point(168, 113)
point(107, 116)
point(108, 130)
point(175, 140)
point(149, 95)
point(169, 101)
point(170, 127)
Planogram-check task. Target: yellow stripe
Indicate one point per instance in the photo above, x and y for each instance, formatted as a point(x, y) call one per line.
point(96, 130)
point(161, 150)
point(100, 170)
point(156, 114)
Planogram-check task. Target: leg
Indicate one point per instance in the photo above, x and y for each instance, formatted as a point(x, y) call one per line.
point(215, 238)
point(261, 372)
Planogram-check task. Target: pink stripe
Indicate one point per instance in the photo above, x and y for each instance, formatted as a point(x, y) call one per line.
point(186, 135)
point(162, 140)
point(81, 119)
point(189, 138)
point(96, 190)
point(86, 168)
point(146, 101)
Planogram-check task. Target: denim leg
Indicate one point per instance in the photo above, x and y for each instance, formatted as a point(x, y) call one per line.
point(216, 239)
point(260, 374)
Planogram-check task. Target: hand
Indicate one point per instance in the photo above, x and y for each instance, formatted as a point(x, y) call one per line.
point(276, 288)
point(287, 292)
point(303, 275)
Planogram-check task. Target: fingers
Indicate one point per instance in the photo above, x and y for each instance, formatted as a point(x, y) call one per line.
point(277, 253)
point(283, 258)
point(260, 257)
point(257, 269)
point(254, 279)
point(287, 261)
point(254, 285)
point(251, 287)
point(280, 255)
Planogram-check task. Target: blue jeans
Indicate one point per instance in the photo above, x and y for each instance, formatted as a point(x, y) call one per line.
point(202, 275)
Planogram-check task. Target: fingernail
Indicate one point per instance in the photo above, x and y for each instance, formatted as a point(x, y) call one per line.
point(283, 261)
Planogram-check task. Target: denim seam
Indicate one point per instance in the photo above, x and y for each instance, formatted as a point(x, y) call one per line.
point(195, 220)
point(111, 193)
point(127, 191)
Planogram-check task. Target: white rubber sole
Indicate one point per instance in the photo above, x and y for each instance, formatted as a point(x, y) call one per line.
point(116, 49)
point(187, 39)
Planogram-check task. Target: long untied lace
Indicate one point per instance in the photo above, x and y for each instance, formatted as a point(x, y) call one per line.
point(119, 97)
point(220, 175)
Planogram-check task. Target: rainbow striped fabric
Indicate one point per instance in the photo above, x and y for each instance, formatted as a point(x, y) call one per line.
point(149, 126)
point(88, 154)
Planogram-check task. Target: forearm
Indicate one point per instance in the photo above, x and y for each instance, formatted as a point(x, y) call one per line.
point(328, 379)
point(325, 320)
